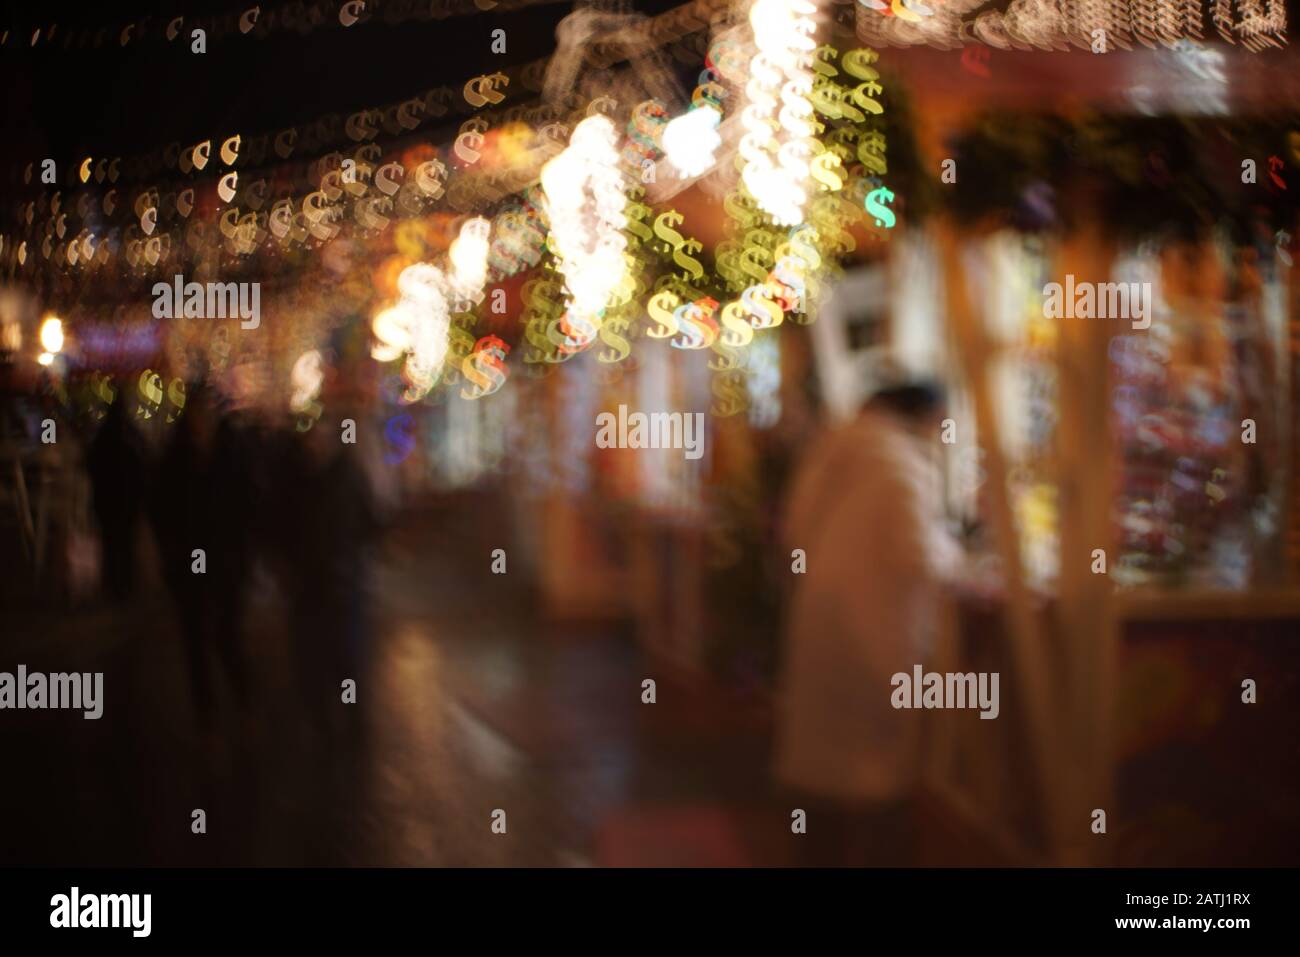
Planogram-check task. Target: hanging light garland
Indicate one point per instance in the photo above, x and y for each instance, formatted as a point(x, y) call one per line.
point(778, 131)
point(584, 191)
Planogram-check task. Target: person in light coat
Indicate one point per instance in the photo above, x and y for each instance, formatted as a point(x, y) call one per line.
point(865, 507)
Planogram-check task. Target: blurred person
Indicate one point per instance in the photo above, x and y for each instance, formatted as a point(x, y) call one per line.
point(115, 463)
point(866, 508)
point(205, 499)
point(337, 512)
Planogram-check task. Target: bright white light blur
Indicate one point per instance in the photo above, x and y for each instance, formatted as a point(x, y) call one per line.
point(562, 181)
point(416, 327)
point(390, 327)
point(421, 283)
point(776, 143)
point(585, 197)
point(305, 379)
point(690, 140)
point(469, 259)
point(45, 358)
point(52, 335)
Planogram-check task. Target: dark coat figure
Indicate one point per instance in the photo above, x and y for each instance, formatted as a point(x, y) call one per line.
point(336, 520)
point(204, 501)
point(115, 462)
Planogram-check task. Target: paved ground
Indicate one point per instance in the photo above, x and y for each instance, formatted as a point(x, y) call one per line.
point(473, 705)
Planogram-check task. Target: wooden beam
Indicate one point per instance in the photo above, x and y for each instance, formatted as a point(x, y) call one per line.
point(1034, 678)
point(1085, 460)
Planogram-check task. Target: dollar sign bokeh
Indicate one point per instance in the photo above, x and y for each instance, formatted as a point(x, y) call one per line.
point(1274, 168)
point(663, 228)
point(826, 169)
point(611, 334)
point(762, 307)
point(460, 342)
point(399, 433)
point(729, 393)
point(692, 270)
point(735, 324)
point(485, 367)
point(875, 203)
point(661, 307)
point(696, 323)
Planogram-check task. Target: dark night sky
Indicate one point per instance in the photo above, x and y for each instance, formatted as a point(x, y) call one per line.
point(121, 101)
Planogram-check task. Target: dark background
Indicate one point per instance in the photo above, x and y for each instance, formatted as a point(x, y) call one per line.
point(76, 99)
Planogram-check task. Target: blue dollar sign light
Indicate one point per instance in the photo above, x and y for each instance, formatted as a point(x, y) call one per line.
point(399, 431)
point(875, 204)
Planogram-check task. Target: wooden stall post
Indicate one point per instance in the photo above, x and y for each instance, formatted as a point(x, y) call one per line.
point(1085, 460)
point(1034, 674)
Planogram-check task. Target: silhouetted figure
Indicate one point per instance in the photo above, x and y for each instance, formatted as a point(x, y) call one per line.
point(336, 520)
point(115, 462)
point(204, 502)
